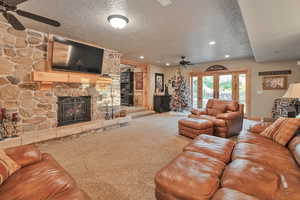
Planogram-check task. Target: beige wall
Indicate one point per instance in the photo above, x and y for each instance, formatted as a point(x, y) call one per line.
point(261, 100)
point(151, 87)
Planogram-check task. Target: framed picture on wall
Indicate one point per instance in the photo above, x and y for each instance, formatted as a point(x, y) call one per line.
point(274, 82)
point(159, 82)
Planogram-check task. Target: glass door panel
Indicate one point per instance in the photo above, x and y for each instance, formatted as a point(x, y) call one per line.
point(195, 91)
point(225, 87)
point(207, 89)
point(242, 90)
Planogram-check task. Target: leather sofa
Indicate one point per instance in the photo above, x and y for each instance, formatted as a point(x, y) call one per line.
point(227, 116)
point(252, 168)
point(40, 178)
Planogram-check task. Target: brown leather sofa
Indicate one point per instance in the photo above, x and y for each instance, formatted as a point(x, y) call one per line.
point(227, 116)
point(253, 168)
point(40, 178)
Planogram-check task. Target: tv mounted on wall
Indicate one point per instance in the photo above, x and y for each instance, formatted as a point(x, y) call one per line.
point(76, 57)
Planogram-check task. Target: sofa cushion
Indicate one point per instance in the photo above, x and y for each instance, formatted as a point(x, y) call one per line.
point(251, 178)
point(280, 159)
point(24, 155)
point(195, 123)
point(198, 111)
point(229, 194)
point(7, 166)
point(190, 176)
point(294, 147)
point(282, 130)
point(43, 180)
point(232, 106)
point(217, 109)
point(74, 194)
point(261, 181)
point(216, 122)
point(253, 138)
point(213, 146)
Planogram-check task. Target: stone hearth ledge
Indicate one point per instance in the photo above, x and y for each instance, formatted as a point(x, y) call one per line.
point(63, 131)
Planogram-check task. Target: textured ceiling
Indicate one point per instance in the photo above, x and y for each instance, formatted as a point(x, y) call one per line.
point(273, 27)
point(161, 34)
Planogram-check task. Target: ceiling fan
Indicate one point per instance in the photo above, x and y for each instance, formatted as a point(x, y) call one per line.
point(184, 62)
point(7, 7)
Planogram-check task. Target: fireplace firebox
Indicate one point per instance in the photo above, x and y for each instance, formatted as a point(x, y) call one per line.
point(73, 110)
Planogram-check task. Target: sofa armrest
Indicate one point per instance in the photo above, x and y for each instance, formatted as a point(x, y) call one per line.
point(24, 155)
point(229, 116)
point(199, 111)
point(260, 127)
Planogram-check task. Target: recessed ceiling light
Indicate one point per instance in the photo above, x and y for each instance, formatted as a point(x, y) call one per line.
point(212, 42)
point(227, 56)
point(118, 21)
point(168, 64)
point(142, 57)
point(165, 3)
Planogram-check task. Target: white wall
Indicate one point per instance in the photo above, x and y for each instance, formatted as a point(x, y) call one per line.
point(261, 100)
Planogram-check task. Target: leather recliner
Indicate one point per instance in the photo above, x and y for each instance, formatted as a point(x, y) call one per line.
point(227, 116)
point(39, 178)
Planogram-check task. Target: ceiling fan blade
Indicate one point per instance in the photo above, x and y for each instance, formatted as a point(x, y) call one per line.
point(11, 19)
point(12, 2)
point(38, 18)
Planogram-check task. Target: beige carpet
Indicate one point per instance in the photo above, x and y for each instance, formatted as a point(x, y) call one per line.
point(120, 164)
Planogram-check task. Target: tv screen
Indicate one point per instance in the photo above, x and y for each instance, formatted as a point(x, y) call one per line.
point(72, 56)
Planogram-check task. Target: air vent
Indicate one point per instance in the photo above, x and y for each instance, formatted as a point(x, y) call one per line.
point(165, 3)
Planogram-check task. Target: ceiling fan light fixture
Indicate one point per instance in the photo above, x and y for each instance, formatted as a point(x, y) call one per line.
point(227, 56)
point(168, 64)
point(118, 21)
point(142, 57)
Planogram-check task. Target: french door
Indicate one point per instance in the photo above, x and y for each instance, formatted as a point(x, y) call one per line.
point(225, 86)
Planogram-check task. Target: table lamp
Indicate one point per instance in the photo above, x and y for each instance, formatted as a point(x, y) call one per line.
point(294, 93)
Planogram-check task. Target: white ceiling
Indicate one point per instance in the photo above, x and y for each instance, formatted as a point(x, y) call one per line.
point(161, 34)
point(273, 27)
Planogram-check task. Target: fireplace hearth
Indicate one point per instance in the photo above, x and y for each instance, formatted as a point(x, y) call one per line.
point(73, 110)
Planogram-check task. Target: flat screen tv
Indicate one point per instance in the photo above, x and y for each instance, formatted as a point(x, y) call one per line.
point(72, 56)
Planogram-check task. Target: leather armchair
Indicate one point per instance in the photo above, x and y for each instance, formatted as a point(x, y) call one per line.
point(227, 116)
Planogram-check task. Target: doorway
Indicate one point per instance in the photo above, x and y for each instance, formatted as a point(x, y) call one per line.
point(233, 85)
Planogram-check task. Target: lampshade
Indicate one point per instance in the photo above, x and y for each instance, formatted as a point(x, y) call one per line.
point(293, 91)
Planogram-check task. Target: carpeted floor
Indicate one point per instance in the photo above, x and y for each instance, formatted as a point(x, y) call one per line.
point(120, 164)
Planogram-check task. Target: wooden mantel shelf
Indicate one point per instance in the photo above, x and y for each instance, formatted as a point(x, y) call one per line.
point(48, 78)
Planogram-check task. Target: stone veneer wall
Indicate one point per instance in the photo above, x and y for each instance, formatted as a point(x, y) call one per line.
point(23, 52)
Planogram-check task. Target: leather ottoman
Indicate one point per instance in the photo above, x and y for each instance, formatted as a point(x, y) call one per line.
point(192, 127)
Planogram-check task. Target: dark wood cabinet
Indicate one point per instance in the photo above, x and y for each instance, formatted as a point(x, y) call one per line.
point(161, 103)
point(127, 88)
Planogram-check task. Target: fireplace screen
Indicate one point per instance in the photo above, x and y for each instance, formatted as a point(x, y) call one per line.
point(73, 110)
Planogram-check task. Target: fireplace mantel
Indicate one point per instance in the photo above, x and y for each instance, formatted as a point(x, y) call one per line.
point(48, 78)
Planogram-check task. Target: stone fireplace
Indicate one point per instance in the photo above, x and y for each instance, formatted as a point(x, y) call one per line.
point(73, 110)
point(25, 52)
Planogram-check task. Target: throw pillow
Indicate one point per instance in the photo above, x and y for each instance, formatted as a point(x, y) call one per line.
point(282, 130)
point(7, 166)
